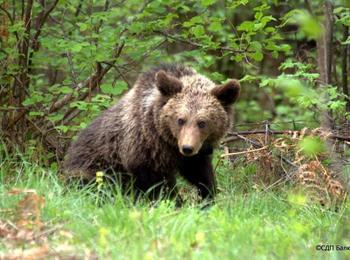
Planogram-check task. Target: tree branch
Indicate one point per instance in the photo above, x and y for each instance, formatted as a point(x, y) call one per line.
point(21, 82)
point(42, 17)
point(233, 135)
point(179, 39)
point(92, 81)
point(7, 14)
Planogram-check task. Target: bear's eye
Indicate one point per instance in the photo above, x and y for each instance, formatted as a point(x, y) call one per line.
point(181, 122)
point(201, 124)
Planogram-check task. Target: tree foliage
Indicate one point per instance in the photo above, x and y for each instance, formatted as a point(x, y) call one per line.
point(62, 62)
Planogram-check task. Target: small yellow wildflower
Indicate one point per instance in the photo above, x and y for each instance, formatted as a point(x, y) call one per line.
point(135, 215)
point(103, 233)
point(200, 237)
point(99, 177)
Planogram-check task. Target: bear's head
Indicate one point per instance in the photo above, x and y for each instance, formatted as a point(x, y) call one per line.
point(195, 110)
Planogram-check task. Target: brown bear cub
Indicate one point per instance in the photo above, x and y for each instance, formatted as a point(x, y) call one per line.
point(169, 122)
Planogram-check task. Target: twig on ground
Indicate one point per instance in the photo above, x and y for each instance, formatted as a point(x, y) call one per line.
point(244, 152)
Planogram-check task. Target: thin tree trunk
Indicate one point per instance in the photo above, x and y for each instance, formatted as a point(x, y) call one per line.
point(21, 82)
point(324, 57)
point(324, 60)
point(345, 75)
point(4, 34)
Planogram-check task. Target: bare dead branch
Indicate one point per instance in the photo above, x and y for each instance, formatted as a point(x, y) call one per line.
point(272, 132)
point(257, 145)
point(72, 70)
point(244, 152)
point(121, 74)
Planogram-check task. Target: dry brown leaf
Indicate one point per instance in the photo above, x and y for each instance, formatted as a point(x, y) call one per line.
point(28, 254)
point(29, 211)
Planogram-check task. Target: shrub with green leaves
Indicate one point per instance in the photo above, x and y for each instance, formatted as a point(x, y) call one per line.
point(62, 62)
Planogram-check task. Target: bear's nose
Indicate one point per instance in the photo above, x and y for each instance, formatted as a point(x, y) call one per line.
point(187, 149)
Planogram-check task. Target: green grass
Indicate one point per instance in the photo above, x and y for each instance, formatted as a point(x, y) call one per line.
point(244, 223)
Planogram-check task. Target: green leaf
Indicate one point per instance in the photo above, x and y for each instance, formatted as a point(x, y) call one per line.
point(36, 113)
point(267, 19)
point(285, 47)
point(62, 128)
point(194, 20)
point(207, 3)
point(338, 10)
point(198, 31)
point(237, 57)
point(136, 27)
point(292, 87)
point(107, 89)
point(246, 26)
point(76, 47)
point(248, 78)
point(217, 76)
point(81, 105)
point(215, 26)
point(65, 90)
point(312, 28)
point(56, 117)
point(101, 55)
point(82, 26)
point(307, 23)
point(35, 98)
point(312, 146)
point(257, 56)
point(28, 102)
point(255, 45)
point(118, 89)
point(347, 41)
point(121, 86)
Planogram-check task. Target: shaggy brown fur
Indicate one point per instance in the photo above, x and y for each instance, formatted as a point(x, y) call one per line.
point(168, 122)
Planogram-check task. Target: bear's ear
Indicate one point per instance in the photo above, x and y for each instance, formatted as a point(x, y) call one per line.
point(167, 85)
point(227, 93)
